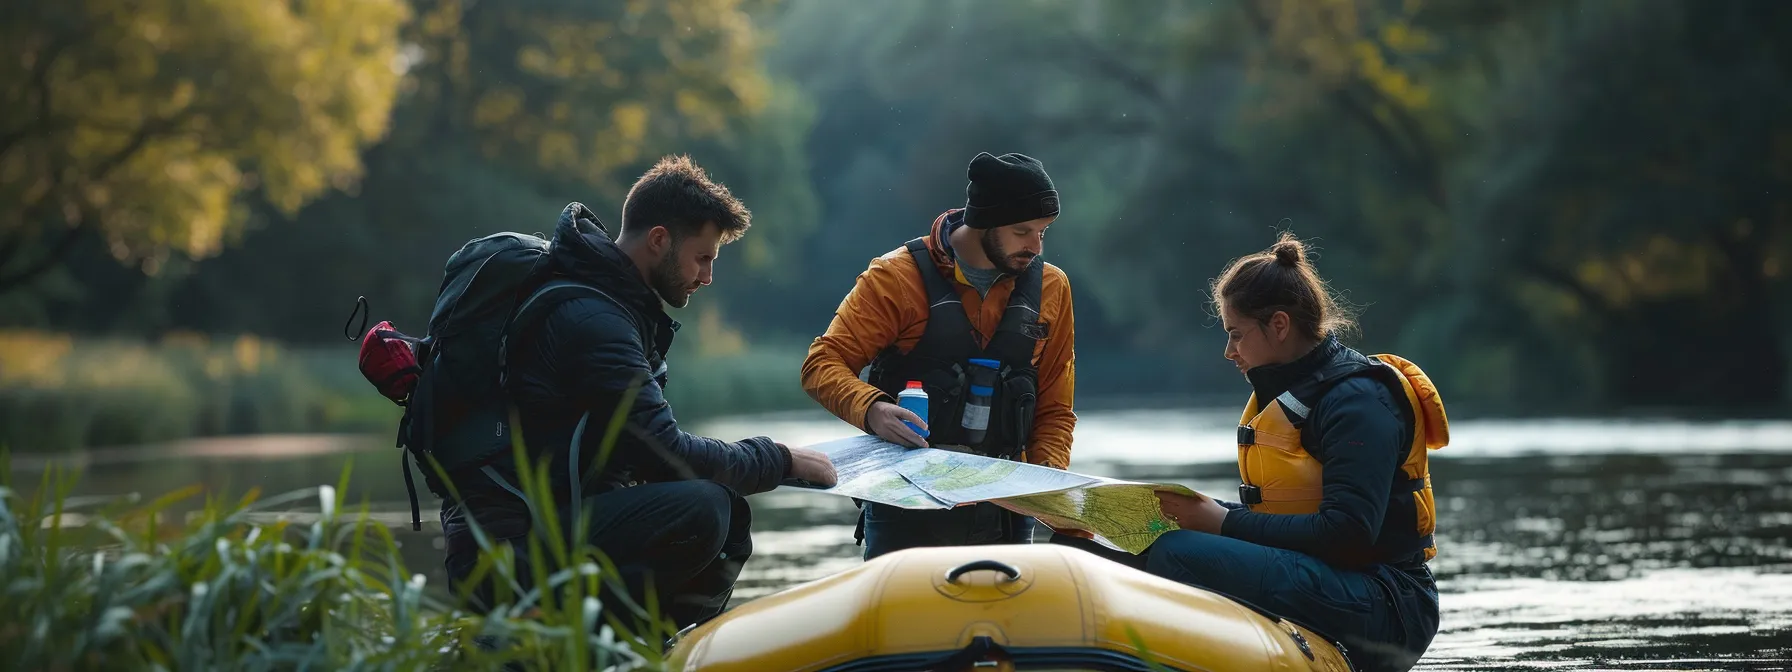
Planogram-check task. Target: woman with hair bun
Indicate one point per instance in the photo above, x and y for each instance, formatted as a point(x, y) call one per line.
point(1336, 517)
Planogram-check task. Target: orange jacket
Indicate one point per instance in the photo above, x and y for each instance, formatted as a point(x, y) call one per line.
point(888, 304)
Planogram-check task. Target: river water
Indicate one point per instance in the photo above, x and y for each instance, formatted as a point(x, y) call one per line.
point(1564, 544)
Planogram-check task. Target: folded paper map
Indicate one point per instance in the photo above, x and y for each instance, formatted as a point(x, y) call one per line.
point(1120, 514)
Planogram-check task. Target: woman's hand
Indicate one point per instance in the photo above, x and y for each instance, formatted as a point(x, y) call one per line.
point(1192, 513)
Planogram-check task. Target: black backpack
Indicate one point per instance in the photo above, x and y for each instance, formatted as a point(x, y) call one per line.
point(458, 414)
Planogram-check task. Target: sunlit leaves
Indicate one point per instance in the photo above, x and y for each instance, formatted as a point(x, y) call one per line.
point(582, 89)
point(145, 120)
point(1339, 43)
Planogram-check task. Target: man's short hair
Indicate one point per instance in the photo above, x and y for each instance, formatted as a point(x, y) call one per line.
point(677, 194)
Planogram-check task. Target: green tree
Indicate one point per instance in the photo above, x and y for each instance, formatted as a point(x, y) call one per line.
point(1529, 204)
point(1636, 204)
point(582, 89)
point(509, 112)
point(141, 122)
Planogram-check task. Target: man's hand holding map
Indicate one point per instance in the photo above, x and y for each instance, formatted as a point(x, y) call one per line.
point(1120, 514)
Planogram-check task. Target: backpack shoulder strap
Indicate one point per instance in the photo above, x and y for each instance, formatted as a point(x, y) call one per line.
point(532, 310)
point(554, 292)
point(536, 307)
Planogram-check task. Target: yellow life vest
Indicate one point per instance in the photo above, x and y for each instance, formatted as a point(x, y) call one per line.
point(1280, 477)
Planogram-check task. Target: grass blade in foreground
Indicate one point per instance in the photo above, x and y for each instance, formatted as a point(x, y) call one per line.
point(129, 587)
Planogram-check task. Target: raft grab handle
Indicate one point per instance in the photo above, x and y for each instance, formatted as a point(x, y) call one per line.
point(993, 565)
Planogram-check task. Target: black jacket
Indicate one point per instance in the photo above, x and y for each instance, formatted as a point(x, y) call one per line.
point(1360, 432)
point(583, 356)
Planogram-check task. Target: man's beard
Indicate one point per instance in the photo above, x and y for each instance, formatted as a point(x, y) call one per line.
point(1014, 264)
point(668, 283)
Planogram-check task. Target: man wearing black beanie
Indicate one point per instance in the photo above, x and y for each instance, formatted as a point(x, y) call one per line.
point(1008, 189)
point(970, 314)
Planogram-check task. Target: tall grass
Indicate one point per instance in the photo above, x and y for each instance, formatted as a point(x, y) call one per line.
point(121, 584)
point(60, 393)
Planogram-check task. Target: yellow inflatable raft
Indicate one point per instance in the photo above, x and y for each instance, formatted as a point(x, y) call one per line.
point(1023, 607)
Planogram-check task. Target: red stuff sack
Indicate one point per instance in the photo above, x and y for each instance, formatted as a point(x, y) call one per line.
point(389, 361)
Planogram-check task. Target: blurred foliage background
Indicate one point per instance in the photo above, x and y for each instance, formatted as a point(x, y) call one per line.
point(1554, 206)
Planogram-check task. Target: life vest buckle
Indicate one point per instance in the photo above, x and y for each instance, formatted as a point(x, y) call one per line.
point(1249, 495)
point(1247, 435)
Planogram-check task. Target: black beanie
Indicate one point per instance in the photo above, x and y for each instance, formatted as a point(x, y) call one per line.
point(1007, 189)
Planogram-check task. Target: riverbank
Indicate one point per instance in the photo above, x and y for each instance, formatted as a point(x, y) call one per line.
point(59, 393)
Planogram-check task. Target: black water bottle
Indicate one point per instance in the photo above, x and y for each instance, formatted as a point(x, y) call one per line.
point(982, 393)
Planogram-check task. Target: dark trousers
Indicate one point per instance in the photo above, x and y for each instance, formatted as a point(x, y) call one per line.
point(1385, 617)
point(685, 539)
point(893, 528)
point(1134, 561)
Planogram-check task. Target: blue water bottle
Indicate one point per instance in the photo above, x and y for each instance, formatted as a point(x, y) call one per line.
point(914, 399)
point(976, 405)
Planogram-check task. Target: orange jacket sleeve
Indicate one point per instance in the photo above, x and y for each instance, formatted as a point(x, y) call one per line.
point(868, 320)
point(1054, 420)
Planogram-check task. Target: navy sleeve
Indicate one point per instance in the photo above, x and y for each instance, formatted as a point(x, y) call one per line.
point(1359, 432)
point(608, 359)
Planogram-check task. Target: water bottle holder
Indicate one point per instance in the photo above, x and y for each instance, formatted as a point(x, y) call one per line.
point(981, 385)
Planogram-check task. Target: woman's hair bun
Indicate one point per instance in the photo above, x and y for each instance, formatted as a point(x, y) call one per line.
point(1289, 251)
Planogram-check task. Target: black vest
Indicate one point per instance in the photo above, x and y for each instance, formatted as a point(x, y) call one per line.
point(941, 361)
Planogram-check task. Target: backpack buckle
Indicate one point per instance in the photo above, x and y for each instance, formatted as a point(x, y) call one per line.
point(1250, 495)
point(1247, 435)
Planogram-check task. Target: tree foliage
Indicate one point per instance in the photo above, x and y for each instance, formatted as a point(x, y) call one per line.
point(1651, 200)
point(582, 89)
point(509, 111)
point(140, 122)
point(1535, 199)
